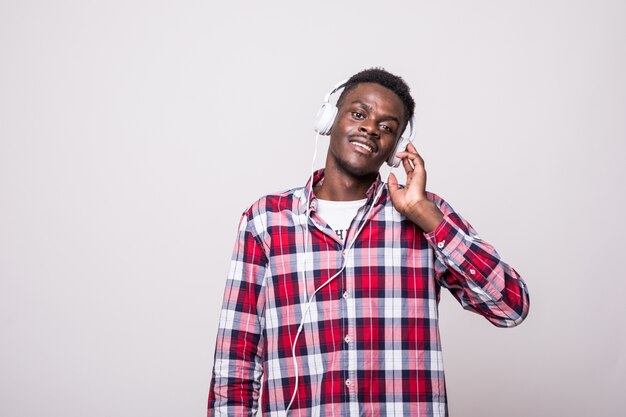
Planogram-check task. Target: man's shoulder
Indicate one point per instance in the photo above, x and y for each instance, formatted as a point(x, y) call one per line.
point(293, 199)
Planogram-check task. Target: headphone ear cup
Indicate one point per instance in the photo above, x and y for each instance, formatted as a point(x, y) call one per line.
point(393, 161)
point(325, 118)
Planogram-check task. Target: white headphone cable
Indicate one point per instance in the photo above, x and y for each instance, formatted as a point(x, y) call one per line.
point(308, 306)
point(306, 248)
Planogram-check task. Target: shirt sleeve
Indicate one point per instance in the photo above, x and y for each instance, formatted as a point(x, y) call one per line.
point(237, 369)
point(474, 272)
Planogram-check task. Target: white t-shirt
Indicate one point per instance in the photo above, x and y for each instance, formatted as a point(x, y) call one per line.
point(339, 214)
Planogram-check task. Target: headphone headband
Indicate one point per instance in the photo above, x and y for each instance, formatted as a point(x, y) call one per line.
point(335, 88)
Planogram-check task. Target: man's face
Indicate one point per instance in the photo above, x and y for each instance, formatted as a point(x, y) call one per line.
point(369, 120)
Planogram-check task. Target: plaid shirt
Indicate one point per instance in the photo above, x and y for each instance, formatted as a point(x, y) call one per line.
point(370, 344)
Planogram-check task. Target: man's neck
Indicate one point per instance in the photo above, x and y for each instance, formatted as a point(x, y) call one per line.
point(338, 186)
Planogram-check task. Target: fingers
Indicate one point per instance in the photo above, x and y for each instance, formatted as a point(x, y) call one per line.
point(414, 167)
point(411, 159)
point(408, 167)
point(411, 147)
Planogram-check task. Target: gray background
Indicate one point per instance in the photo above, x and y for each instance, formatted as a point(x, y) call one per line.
point(133, 134)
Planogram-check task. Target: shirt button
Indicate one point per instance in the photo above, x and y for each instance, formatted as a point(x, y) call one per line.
point(346, 295)
point(472, 271)
point(441, 244)
point(347, 338)
point(348, 382)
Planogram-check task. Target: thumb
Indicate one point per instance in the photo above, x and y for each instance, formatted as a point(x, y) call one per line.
point(392, 184)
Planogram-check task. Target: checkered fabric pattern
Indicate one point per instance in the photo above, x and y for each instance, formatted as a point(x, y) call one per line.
point(370, 345)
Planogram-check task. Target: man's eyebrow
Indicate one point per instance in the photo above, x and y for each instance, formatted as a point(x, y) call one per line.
point(369, 108)
point(364, 105)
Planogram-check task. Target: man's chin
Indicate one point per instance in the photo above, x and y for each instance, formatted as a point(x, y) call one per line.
point(358, 170)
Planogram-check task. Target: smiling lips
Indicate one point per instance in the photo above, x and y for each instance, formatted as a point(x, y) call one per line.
point(362, 145)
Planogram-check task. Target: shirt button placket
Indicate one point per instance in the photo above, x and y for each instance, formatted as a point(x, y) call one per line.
point(350, 345)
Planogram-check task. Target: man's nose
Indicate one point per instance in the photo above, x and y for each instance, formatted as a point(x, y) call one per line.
point(369, 127)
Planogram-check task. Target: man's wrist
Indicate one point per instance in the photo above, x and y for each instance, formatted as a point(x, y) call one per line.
point(426, 215)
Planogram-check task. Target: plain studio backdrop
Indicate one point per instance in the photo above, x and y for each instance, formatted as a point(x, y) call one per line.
point(133, 135)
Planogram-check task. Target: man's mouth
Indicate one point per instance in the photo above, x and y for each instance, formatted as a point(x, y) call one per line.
point(362, 146)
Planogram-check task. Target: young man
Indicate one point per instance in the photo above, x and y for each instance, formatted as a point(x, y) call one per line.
point(333, 290)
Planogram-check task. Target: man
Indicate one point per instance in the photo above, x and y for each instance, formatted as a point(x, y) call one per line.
point(333, 290)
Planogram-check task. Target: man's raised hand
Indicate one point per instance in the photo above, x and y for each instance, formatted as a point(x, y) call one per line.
point(412, 200)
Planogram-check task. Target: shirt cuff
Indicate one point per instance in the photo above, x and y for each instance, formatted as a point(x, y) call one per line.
point(446, 237)
point(450, 242)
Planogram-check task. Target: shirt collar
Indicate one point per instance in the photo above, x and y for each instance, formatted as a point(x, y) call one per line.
point(318, 179)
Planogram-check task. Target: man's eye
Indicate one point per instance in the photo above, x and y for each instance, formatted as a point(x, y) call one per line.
point(357, 115)
point(386, 127)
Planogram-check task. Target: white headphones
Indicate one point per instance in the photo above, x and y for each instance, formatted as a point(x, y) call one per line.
point(326, 117)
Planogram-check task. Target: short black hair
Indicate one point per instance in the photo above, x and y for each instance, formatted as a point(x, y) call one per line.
point(387, 80)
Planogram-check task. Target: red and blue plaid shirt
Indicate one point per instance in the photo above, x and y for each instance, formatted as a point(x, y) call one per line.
point(370, 345)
